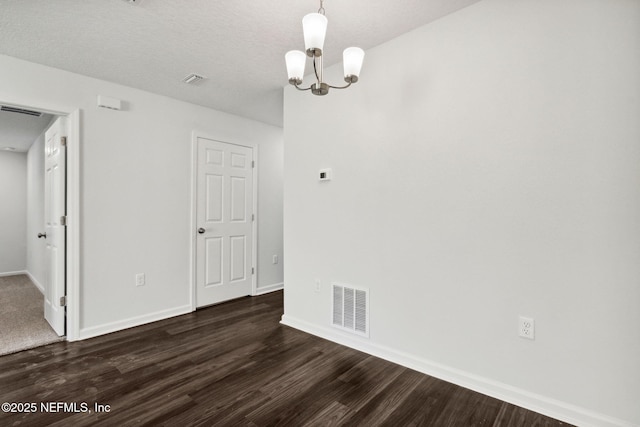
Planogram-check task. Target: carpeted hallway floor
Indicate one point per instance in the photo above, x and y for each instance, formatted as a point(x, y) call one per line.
point(22, 323)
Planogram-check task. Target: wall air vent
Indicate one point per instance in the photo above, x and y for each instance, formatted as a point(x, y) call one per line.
point(193, 79)
point(351, 309)
point(20, 111)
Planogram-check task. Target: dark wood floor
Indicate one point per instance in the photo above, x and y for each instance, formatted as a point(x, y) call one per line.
point(235, 365)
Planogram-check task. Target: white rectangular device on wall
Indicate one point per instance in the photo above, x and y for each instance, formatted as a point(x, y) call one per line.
point(110, 103)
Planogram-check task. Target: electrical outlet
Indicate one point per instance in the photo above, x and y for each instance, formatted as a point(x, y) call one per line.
point(317, 285)
point(526, 327)
point(140, 279)
point(275, 259)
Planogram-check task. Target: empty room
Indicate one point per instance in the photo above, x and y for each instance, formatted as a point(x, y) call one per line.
point(319, 212)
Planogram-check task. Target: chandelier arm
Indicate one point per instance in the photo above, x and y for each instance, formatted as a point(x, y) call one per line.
point(340, 87)
point(302, 89)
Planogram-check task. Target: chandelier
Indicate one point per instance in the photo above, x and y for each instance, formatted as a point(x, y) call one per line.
point(314, 27)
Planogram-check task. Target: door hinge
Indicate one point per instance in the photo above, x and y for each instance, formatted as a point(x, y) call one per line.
point(253, 270)
point(63, 301)
point(63, 141)
point(253, 163)
point(63, 220)
point(253, 217)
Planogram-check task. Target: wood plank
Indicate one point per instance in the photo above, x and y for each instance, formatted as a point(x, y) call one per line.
point(382, 405)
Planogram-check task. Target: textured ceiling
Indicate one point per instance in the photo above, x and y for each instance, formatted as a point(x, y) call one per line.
point(238, 44)
point(19, 131)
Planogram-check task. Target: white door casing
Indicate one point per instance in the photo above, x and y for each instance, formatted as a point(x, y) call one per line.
point(54, 209)
point(224, 221)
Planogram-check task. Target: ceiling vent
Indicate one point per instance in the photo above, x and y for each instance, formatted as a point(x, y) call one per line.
point(193, 79)
point(21, 111)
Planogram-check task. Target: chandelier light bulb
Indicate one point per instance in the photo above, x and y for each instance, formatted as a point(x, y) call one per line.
point(352, 58)
point(314, 27)
point(295, 60)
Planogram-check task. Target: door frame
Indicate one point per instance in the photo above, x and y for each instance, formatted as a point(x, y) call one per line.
point(73, 208)
point(194, 210)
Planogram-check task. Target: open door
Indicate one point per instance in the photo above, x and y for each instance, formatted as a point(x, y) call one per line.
point(55, 201)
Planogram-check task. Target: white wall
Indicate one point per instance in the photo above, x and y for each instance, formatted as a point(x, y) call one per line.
point(13, 208)
point(485, 166)
point(135, 190)
point(270, 222)
point(35, 212)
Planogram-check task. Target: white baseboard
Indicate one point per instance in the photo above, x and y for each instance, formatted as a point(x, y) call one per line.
point(35, 282)
point(94, 331)
point(270, 288)
point(13, 273)
point(550, 407)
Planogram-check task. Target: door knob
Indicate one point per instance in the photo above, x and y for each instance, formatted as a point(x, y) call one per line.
point(42, 235)
point(201, 230)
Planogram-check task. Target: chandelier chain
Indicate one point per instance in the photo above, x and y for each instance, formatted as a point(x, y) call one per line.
point(321, 10)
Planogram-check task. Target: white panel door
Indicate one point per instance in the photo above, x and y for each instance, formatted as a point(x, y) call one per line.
point(54, 209)
point(224, 222)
